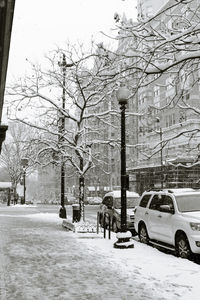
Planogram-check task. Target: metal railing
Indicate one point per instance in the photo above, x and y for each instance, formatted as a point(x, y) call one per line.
point(102, 223)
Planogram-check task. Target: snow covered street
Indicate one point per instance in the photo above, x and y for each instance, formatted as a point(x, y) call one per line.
point(39, 259)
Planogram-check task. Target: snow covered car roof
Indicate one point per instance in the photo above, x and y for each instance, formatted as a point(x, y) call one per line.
point(176, 191)
point(117, 194)
point(181, 190)
point(5, 185)
point(186, 192)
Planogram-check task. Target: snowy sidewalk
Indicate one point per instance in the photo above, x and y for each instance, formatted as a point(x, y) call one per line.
point(151, 273)
point(42, 261)
point(2, 271)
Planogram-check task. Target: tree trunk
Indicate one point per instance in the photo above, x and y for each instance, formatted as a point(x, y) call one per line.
point(81, 192)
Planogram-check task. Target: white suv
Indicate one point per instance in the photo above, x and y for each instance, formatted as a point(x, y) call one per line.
point(170, 219)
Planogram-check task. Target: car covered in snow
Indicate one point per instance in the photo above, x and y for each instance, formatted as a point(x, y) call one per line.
point(111, 208)
point(170, 219)
point(28, 202)
point(94, 200)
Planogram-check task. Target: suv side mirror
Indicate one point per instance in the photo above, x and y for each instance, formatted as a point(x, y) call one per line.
point(166, 208)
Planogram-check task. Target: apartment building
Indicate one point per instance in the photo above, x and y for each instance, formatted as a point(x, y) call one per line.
point(166, 155)
point(104, 175)
point(148, 8)
point(158, 151)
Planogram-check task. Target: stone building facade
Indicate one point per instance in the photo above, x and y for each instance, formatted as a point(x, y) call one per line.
point(168, 139)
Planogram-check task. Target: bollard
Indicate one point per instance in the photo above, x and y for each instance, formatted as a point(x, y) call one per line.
point(109, 227)
point(104, 226)
point(97, 222)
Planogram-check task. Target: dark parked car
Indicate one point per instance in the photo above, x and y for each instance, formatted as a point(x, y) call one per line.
point(111, 206)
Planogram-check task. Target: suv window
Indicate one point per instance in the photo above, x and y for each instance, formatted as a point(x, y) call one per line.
point(130, 202)
point(156, 202)
point(167, 200)
point(188, 203)
point(144, 200)
point(104, 200)
point(108, 201)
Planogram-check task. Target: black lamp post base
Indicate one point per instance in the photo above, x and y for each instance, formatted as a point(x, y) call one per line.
point(124, 240)
point(62, 212)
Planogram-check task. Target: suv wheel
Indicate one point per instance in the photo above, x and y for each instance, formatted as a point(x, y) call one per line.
point(143, 234)
point(114, 226)
point(183, 247)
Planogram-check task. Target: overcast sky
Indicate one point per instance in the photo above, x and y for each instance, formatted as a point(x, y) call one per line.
point(41, 25)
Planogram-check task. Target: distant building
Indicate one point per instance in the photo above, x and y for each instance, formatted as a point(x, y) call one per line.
point(5, 192)
point(148, 8)
point(103, 176)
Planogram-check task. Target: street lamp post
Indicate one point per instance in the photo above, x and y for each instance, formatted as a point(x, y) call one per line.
point(161, 152)
point(24, 163)
point(123, 236)
point(64, 66)
point(161, 157)
point(62, 212)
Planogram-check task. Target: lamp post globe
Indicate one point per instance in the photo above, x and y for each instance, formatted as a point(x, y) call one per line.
point(122, 95)
point(123, 237)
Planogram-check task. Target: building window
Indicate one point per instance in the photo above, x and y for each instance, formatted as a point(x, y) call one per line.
point(173, 119)
point(157, 95)
point(127, 139)
point(156, 91)
point(166, 121)
point(170, 120)
point(113, 164)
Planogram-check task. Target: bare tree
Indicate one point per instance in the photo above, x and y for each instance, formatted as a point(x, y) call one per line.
point(17, 146)
point(61, 102)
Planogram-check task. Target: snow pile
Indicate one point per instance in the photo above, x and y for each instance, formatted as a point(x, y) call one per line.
point(23, 206)
point(82, 226)
point(45, 217)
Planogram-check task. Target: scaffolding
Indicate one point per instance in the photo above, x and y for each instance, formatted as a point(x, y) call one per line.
point(173, 176)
